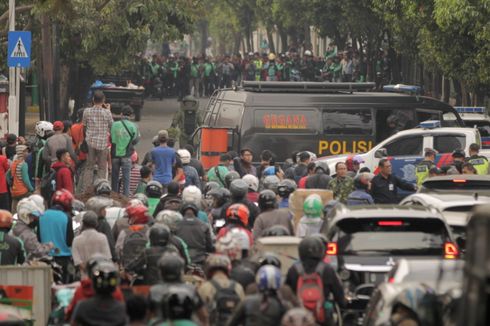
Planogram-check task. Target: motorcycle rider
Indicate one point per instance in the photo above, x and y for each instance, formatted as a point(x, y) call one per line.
point(171, 219)
point(138, 224)
point(312, 220)
point(284, 189)
point(270, 215)
point(154, 190)
point(11, 249)
point(221, 197)
point(321, 177)
point(239, 190)
point(298, 317)
point(171, 199)
point(253, 187)
point(361, 196)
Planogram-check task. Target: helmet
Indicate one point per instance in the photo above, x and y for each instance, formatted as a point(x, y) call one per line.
point(6, 219)
point(169, 218)
point(64, 198)
point(252, 181)
point(272, 56)
point(286, 187)
point(267, 200)
point(276, 231)
point(229, 177)
point(42, 127)
point(322, 165)
point(104, 277)
point(154, 189)
point(421, 300)
point(313, 206)
point(217, 262)
point(93, 261)
point(459, 153)
point(229, 246)
point(187, 206)
point(27, 208)
point(171, 267)
point(211, 185)
point(298, 317)
point(308, 53)
point(238, 212)
point(222, 195)
point(97, 203)
point(311, 248)
point(184, 155)
point(39, 201)
point(238, 189)
point(159, 235)
point(78, 205)
point(329, 207)
point(271, 182)
point(242, 237)
point(268, 278)
point(102, 187)
point(178, 303)
point(142, 198)
point(270, 258)
point(137, 214)
point(192, 195)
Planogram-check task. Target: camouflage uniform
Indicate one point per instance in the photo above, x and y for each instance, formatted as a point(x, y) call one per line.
point(186, 120)
point(341, 188)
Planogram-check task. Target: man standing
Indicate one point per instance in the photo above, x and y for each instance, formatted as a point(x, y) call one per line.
point(124, 135)
point(163, 158)
point(423, 168)
point(243, 165)
point(342, 185)
point(480, 163)
point(56, 142)
point(64, 173)
point(384, 185)
point(97, 121)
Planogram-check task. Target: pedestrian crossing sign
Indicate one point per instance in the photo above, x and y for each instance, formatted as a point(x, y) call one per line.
point(19, 49)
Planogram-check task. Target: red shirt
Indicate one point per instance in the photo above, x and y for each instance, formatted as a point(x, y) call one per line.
point(64, 176)
point(4, 167)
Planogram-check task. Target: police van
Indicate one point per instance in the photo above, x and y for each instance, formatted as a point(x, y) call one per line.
point(320, 117)
point(476, 117)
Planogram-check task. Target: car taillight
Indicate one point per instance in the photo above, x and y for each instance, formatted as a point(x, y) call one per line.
point(459, 180)
point(390, 223)
point(450, 251)
point(332, 248)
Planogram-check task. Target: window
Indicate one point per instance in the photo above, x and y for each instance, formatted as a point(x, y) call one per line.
point(347, 122)
point(229, 115)
point(448, 143)
point(405, 146)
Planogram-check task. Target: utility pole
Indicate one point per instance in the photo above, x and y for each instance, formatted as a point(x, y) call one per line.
point(14, 82)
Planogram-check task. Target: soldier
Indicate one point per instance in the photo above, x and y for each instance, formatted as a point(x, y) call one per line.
point(423, 168)
point(187, 119)
point(480, 163)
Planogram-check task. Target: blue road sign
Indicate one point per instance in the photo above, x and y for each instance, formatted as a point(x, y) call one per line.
point(19, 49)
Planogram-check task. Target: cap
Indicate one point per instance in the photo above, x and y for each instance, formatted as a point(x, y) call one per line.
point(358, 159)
point(163, 134)
point(58, 125)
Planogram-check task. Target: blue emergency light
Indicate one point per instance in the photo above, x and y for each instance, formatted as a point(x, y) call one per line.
point(401, 88)
point(470, 109)
point(430, 124)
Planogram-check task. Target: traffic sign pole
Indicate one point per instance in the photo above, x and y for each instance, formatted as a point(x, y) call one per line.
point(13, 125)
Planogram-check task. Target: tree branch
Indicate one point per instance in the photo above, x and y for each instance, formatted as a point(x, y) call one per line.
point(102, 5)
point(20, 9)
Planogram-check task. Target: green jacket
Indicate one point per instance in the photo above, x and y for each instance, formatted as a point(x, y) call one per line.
point(218, 177)
point(341, 188)
point(122, 139)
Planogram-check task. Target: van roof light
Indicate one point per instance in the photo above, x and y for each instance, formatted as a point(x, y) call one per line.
point(401, 88)
point(305, 87)
point(470, 109)
point(430, 124)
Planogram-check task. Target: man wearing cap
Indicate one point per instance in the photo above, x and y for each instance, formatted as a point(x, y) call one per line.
point(423, 168)
point(163, 158)
point(56, 142)
point(480, 163)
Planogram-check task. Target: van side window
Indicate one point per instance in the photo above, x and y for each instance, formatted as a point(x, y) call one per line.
point(407, 146)
point(229, 115)
point(347, 122)
point(448, 143)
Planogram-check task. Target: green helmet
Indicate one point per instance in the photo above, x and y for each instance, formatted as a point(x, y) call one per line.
point(190, 103)
point(313, 206)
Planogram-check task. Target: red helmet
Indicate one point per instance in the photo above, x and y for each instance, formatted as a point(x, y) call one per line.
point(64, 198)
point(137, 214)
point(238, 212)
point(6, 219)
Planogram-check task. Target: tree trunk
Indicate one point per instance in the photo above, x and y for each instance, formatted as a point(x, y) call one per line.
point(270, 39)
point(284, 39)
point(464, 95)
point(459, 92)
point(446, 89)
point(238, 39)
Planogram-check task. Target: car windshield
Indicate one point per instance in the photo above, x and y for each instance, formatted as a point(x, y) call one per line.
point(404, 236)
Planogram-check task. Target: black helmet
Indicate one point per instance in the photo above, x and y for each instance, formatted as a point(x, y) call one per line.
point(238, 189)
point(276, 231)
point(286, 187)
point(93, 261)
point(104, 277)
point(311, 248)
point(171, 267)
point(159, 235)
point(271, 182)
point(102, 187)
point(267, 200)
point(459, 153)
point(189, 205)
point(270, 258)
point(322, 165)
point(222, 195)
point(154, 189)
point(211, 185)
point(229, 177)
point(178, 303)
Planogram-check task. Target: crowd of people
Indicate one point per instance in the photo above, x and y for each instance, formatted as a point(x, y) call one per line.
point(201, 75)
point(160, 222)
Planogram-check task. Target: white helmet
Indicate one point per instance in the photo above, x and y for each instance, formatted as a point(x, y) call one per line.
point(308, 53)
point(252, 181)
point(42, 127)
point(39, 201)
point(193, 195)
point(184, 155)
point(25, 208)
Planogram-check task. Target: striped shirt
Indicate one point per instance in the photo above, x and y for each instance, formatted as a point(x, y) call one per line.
point(134, 179)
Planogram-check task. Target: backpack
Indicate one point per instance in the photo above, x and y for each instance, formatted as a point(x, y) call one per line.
point(190, 119)
point(48, 184)
point(134, 244)
point(225, 302)
point(310, 291)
